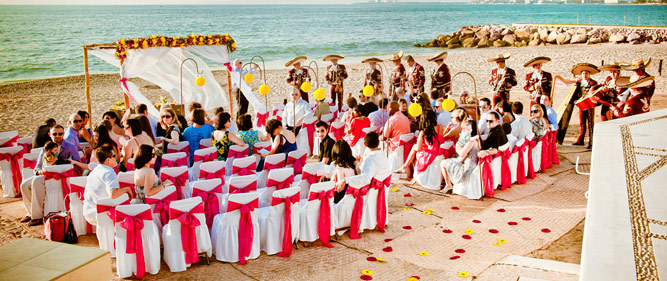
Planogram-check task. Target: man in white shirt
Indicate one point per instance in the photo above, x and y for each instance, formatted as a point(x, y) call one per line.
point(521, 126)
point(444, 117)
point(380, 117)
point(485, 108)
point(241, 100)
point(102, 183)
point(373, 166)
point(295, 111)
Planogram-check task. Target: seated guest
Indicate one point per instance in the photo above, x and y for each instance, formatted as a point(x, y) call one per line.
point(284, 141)
point(551, 114)
point(137, 138)
point(322, 108)
point(326, 142)
point(146, 183)
point(538, 121)
point(496, 137)
point(197, 131)
point(453, 129)
point(521, 126)
point(369, 103)
point(247, 134)
point(222, 138)
point(404, 109)
point(428, 143)
point(142, 109)
point(397, 125)
point(115, 121)
point(146, 126)
point(457, 170)
point(375, 164)
point(51, 157)
point(485, 108)
point(295, 111)
point(102, 182)
point(444, 116)
point(505, 110)
point(507, 128)
point(102, 139)
point(72, 133)
point(357, 125)
point(66, 149)
point(85, 134)
point(344, 166)
point(233, 128)
point(349, 115)
point(168, 128)
point(42, 133)
point(182, 122)
point(379, 117)
point(191, 108)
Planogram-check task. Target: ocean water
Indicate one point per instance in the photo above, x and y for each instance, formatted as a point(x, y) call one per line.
point(45, 41)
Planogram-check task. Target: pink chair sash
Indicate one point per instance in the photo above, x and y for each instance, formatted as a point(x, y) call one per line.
point(248, 188)
point(79, 190)
point(183, 161)
point(110, 210)
point(546, 152)
point(287, 235)
point(407, 146)
point(219, 174)
point(338, 133)
point(505, 172)
point(554, 148)
point(129, 185)
point(130, 167)
point(487, 175)
point(211, 202)
point(179, 182)
point(297, 163)
point(324, 222)
point(246, 233)
point(310, 128)
point(520, 166)
point(185, 149)
point(31, 164)
point(280, 118)
point(274, 112)
point(206, 158)
point(26, 147)
point(357, 212)
point(238, 154)
point(381, 204)
point(269, 166)
point(531, 169)
point(243, 171)
point(11, 142)
point(134, 243)
point(162, 206)
point(286, 183)
point(17, 175)
point(311, 178)
point(335, 115)
point(189, 222)
point(62, 177)
point(261, 119)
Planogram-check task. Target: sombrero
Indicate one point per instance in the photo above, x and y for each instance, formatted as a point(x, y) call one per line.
point(295, 60)
point(440, 56)
point(578, 68)
point(644, 82)
point(501, 57)
point(636, 64)
point(537, 60)
point(333, 57)
point(371, 60)
point(609, 67)
point(396, 56)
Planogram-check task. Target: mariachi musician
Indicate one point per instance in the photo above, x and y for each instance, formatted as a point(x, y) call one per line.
point(638, 100)
point(638, 68)
point(441, 80)
point(297, 75)
point(538, 82)
point(415, 76)
point(609, 90)
point(502, 80)
point(583, 86)
point(397, 79)
point(373, 75)
point(336, 73)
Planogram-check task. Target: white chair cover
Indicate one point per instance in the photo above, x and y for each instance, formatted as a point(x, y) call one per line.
point(212, 170)
point(273, 161)
point(471, 188)
point(174, 254)
point(77, 186)
point(278, 178)
point(302, 138)
point(54, 200)
point(178, 172)
point(310, 212)
point(496, 165)
point(431, 178)
point(337, 126)
point(514, 161)
point(327, 117)
point(160, 206)
point(202, 155)
point(396, 157)
point(244, 166)
point(126, 179)
point(105, 225)
point(6, 175)
point(26, 143)
point(126, 263)
point(225, 230)
point(242, 184)
point(261, 145)
point(272, 221)
point(29, 167)
point(183, 146)
point(174, 160)
point(9, 138)
point(371, 204)
point(235, 152)
point(308, 177)
point(345, 208)
point(537, 153)
point(205, 143)
point(293, 157)
point(37, 150)
point(212, 205)
point(92, 165)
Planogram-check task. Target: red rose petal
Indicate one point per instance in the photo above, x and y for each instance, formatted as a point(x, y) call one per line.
point(388, 240)
point(366, 277)
point(525, 218)
point(466, 236)
point(454, 257)
point(407, 195)
point(455, 208)
point(415, 277)
point(460, 251)
point(501, 210)
point(409, 204)
point(476, 221)
point(493, 230)
point(371, 259)
point(447, 231)
point(407, 227)
point(388, 249)
point(512, 223)
point(546, 230)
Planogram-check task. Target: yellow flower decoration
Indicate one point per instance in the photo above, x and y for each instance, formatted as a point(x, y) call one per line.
point(381, 259)
point(463, 274)
point(469, 231)
point(405, 208)
point(426, 212)
point(502, 241)
point(429, 209)
point(395, 189)
point(497, 244)
point(413, 279)
point(423, 253)
point(366, 272)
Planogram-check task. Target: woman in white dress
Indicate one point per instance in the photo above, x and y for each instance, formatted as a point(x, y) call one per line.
point(457, 170)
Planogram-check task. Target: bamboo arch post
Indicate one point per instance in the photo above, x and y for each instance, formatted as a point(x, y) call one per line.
point(262, 72)
point(87, 78)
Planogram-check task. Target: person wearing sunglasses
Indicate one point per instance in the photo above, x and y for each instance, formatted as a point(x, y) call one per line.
point(146, 183)
point(75, 123)
point(486, 110)
point(295, 110)
point(326, 142)
point(537, 120)
point(169, 128)
point(496, 137)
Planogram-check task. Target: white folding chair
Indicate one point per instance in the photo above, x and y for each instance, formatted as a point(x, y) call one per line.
point(337, 130)
point(431, 178)
point(275, 235)
point(347, 213)
point(377, 202)
point(210, 191)
point(471, 187)
point(305, 138)
point(202, 155)
point(37, 150)
point(26, 143)
point(29, 163)
point(8, 138)
point(106, 208)
point(273, 161)
point(179, 177)
point(244, 166)
point(183, 146)
point(308, 177)
point(297, 159)
point(278, 179)
point(518, 163)
point(242, 184)
point(176, 159)
point(205, 143)
point(137, 239)
point(186, 218)
point(235, 152)
point(501, 167)
point(160, 205)
point(11, 171)
point(212, 170)
point(327, 117)
point(54, 178)
point(261, 145)
point(536, 152)
point(126, 179)
point(320, 203)
point(398, 156)
point(226, 234)
point(77, 187)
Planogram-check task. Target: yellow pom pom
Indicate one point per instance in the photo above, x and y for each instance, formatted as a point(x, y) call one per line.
point(264, 90)
point(248, 78)
point(320, 94)
point(448, 105)
point(367, 272)
point(200, 81)
point(423, 253)
point(369, 91)
point(415, 109)
point(306, 86)
point(463, 274)
point(153, 36)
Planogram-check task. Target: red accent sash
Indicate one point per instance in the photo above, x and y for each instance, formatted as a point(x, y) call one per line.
point(546, 152)
point(238, 154)
point(487, 175)
point(219, 174)
point(134, 241)
point(79, 190)
point(324, 222)
point(311, 178)
point(130, 167)
point(248, 188)
point(11, 142)
point(130, 185)
point(269, 166)
point(123, 82)
point(175, 163)
point(26, 147)
point(338, 133)
point(27, 163)
point(261, 119)
point(287, 235)
point(531, 169)
point(185, 149)
point(381, 204)
point(286, 183)
point(179, 182)
point(206, 158)
point(17, 174)
point(310, 128)
point(62, 177)
point(505, 172)
point(211, 202)
point(110, 210)
point(246, 233)
point(188, 222)
point(520, 166)
point(554, 148)
point(357, 212)
point(407, 146)
point(243, 171)
point(297, 163)
point(162, 206)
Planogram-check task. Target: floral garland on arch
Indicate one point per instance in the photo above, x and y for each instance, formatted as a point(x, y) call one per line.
point(164, 41)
